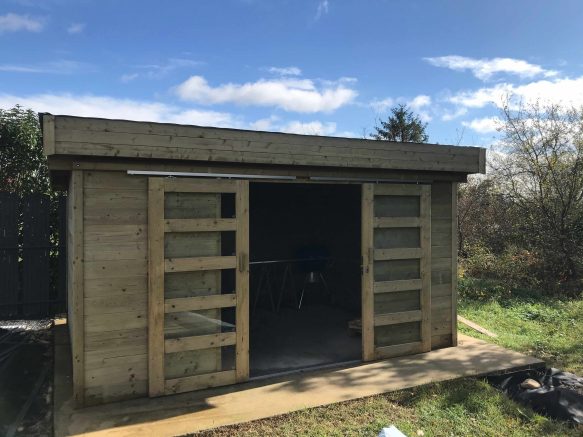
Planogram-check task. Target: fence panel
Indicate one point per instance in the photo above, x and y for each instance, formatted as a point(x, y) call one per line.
point(32, 255)
point(35, 254)
point(9, 266)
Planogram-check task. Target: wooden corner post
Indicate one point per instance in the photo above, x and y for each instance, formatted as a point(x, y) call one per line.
point(76, 283)
point(367, 250)
point(242, 281)
point(155, 286)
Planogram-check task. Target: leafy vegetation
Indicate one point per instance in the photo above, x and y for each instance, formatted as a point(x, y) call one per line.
point(23, 167)
point(524, 223)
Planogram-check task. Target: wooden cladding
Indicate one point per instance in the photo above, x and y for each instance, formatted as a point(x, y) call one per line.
point(187, 331)
point(126, 139)
point(396, 270)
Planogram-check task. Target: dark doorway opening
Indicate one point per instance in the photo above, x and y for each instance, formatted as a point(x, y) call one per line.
point(305, 275)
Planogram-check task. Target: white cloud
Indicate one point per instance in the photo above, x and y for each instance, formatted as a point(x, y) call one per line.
point(416, 104)
point(157, 71)
point(265, 124)
point(76, 28)
point(449, 116)
point(62, 66)
point(382, 105)
point(13, 23)
point(125, 78)
point(419, 102)
point(565, 91)
point(322, 9)
point(484, 69)
point(286, 71)
point(126, 109)
point(299, 95)
point(309, 128)
point(484, 125)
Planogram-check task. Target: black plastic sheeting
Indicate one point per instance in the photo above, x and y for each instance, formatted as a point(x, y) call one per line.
point(560, 395)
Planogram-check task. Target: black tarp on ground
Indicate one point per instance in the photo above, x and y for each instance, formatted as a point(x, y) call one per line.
point(560, 395)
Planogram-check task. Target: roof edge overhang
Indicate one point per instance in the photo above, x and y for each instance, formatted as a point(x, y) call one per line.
point(84, 138)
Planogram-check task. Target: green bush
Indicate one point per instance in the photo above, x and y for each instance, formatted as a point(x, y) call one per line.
point(513, 268)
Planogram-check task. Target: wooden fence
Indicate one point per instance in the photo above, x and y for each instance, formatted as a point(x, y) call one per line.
point(33, 258)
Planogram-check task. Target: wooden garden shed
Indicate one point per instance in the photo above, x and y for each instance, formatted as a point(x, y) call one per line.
point(200, 257)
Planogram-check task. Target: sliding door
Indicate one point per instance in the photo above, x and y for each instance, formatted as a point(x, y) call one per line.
point(396, 270)
point(198, 246)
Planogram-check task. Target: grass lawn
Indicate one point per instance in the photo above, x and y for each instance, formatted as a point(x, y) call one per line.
point(548, 328)
point(551, 329)
point(462, 408)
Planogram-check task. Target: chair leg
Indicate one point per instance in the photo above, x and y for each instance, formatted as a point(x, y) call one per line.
point(326, 288)
point(303, 291)
point(259, 288)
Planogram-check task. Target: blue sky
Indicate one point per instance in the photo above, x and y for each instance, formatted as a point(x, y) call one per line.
point(326, 67)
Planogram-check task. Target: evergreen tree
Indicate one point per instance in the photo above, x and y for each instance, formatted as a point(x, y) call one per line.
point(401, 126)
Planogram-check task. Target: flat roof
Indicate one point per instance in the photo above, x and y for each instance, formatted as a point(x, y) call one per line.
point(65, 135)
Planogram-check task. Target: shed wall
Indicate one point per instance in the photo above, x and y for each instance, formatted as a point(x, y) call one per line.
point(115, 282)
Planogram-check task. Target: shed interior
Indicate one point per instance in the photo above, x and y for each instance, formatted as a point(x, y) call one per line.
point(305, 275)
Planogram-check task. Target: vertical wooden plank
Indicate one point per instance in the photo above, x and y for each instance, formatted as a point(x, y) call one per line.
point(76, 294)
point(454, 254)
point(367, 294)
point(48, 130)
point(242, 281)
point(425, 217)
point(156, 286)
point(61, 294)
point(9, 277)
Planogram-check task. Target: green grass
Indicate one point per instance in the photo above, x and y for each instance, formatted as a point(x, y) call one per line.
point(549, 328)
point(546, 327)
point(457, 408)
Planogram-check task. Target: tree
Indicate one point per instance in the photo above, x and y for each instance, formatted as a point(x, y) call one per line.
point(23, 167)
point(541, 170)
point(401, 126)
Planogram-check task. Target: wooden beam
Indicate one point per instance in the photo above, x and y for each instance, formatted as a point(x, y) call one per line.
point(402, 253)
point(156, 286)
point(302, 172)
point(476, 327)
point(242, 281)
point(200, 225)
point(396, 318)
point(199, 263)
point(367, 272)
point(394, 286)
point(454, 255)
point(48, 130)
point(197, 342)
point(425, 267)
point(198, 303)
point(396, 222)
point(199, 382)
point(77, 273)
